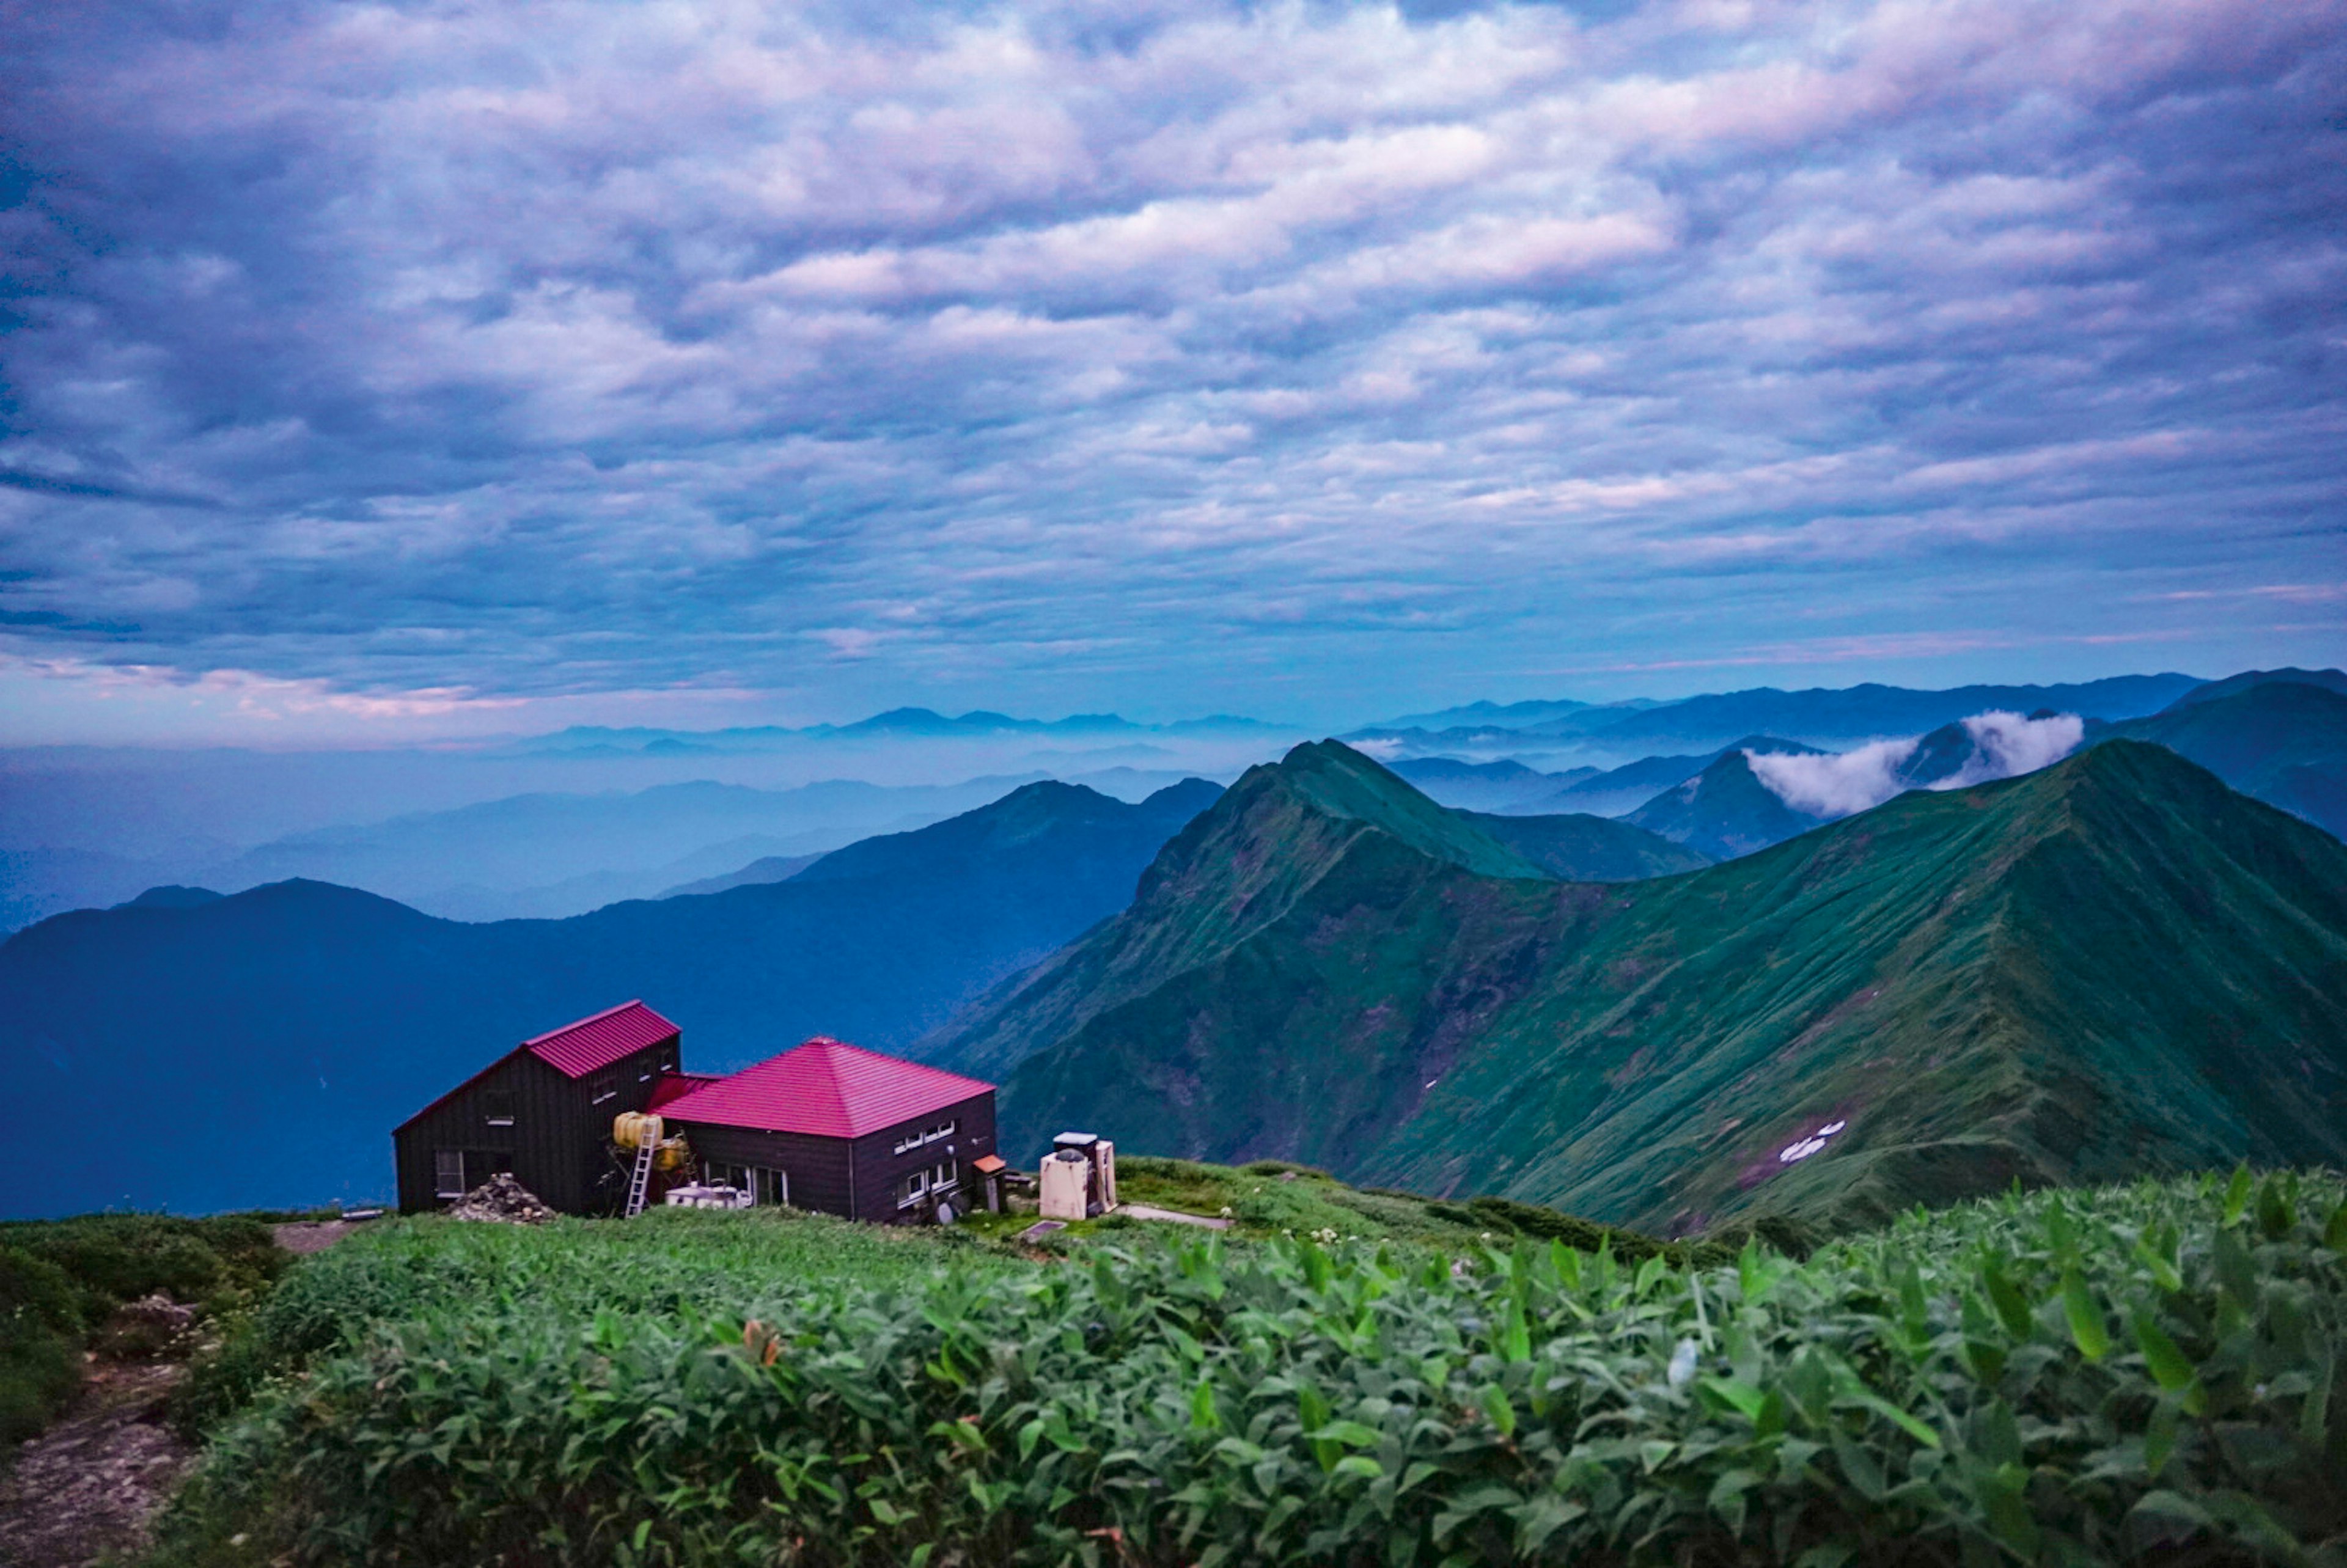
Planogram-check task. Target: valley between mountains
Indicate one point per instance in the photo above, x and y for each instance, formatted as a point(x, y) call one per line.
point(2112, 965)
point(1717, 1007)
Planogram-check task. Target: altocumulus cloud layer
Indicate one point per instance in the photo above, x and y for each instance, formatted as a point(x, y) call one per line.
point(1059, 351)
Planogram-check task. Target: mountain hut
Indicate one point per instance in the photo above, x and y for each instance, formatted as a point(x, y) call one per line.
point(542, 1113)
point(824, 1126)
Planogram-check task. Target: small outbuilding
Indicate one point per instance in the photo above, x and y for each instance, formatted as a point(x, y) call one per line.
point(541, 1113)
point(836, 1128)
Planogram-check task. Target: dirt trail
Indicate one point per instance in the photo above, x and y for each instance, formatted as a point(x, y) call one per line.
point(85, 1488)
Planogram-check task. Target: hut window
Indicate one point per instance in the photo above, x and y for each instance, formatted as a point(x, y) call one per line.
point(773, 1187)
point(912, 1189)
point(498, 1107)
point(943, 1175)
point(603, 1086)
point(448, 1173)
point(910, 1139)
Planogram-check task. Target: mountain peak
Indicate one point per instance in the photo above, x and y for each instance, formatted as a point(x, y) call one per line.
point(1338, 781)
point(1724, 811)
point(2111, 965)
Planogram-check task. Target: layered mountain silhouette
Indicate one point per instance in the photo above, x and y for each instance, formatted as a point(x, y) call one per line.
point(1726, 810)
point(2113, 966)
point(256, 1049)
point(1701, 724)
point(2279, 738)
point(1502, 785)
point(1590, 848)
point(2334, 681)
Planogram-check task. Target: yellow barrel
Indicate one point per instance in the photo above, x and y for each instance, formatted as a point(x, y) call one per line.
point(670, 1155)
point(634, 1128)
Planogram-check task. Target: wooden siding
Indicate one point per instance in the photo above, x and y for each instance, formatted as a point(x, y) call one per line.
point(854, 1177)
point(558, 1145)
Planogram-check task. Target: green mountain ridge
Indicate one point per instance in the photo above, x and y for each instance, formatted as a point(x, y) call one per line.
point(1578, 847)
point(2113, 966)
point(1723, 812)
point(2279, 739)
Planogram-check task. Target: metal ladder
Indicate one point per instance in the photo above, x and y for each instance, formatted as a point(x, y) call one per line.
point(639, 1185)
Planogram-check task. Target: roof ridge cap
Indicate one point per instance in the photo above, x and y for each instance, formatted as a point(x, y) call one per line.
point(590, 1018)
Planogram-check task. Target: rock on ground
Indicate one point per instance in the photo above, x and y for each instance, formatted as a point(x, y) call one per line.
point(83, 1490)
point(503, 1201)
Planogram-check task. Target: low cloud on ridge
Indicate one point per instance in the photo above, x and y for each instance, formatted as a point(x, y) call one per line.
point(1839, 783)
point(1835, 784)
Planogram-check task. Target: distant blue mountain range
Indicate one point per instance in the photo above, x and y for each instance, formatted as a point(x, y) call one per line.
point(256, 1051)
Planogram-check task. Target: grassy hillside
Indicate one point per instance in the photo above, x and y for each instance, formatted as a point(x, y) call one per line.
point(61, 1282)
point(315, 1017)
point(2076, 1379)
point(1577, 847)
point(2113, 966)
point(2280, 739)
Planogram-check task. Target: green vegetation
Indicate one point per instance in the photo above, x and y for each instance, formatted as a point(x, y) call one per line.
point(1723, 812)
point(1574, 846)
point(666, 1263)
point(60, 1281)
point(1271, 1198)
point(2283, 741)
point(2113, 968)
point(2062, 1377)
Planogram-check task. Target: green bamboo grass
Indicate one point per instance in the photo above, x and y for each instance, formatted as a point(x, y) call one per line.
point(2147, 1373)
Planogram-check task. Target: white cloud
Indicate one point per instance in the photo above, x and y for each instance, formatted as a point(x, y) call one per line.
point(1834, 783)
point(2006, 746)
point(1837, 784)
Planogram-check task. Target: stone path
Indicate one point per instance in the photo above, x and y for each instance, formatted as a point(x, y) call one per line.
point(84, 1489)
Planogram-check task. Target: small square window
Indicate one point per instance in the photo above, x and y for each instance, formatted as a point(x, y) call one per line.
point(497, 1107)
point(603, 1086)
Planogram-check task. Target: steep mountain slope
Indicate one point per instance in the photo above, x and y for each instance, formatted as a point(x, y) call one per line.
point(257, 1049)
point(2282, 741)
point(1590, 848)
point(2112, 965)
point(1723, 812)
point(1232, 871)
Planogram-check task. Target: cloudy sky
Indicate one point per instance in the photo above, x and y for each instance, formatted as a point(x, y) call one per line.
point(380, 367)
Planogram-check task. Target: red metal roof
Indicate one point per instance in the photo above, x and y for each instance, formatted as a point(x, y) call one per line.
point(827, 1088)
point(578, 1048)
point(676, 1085)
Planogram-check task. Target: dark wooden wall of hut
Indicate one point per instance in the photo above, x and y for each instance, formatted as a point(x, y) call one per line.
point(855, 1177)
point(558, 1145)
